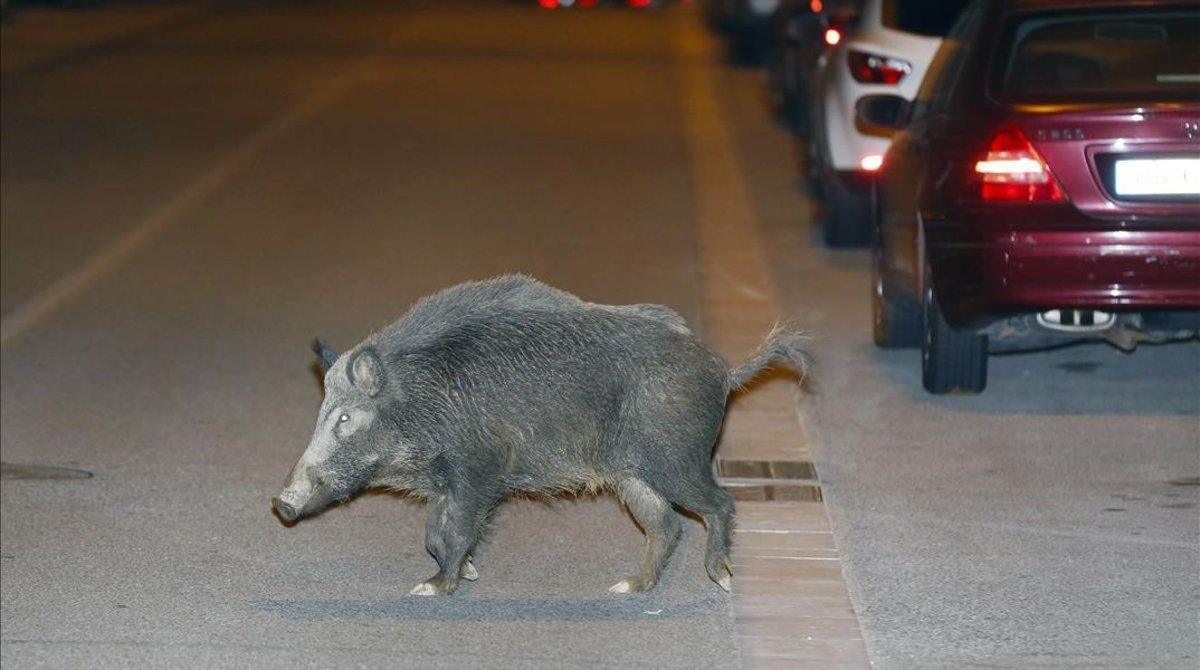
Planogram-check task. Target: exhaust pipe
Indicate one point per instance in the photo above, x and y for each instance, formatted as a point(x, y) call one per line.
point(1076, 321)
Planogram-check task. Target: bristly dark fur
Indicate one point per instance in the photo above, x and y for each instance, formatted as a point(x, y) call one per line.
point(781, 345)
point(492, 388)
point(325, 356)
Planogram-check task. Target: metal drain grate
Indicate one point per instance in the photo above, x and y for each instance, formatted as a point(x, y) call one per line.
point(776, 492)
point(792, 481)
point(38, 471)
point(766, 469)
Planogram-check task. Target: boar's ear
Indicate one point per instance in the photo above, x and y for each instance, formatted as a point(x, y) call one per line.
point(327, 356)
point(366, 371)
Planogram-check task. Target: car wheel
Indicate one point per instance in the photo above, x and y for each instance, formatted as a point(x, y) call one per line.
point(896, 323)
point(847, 215)
point(953, 360)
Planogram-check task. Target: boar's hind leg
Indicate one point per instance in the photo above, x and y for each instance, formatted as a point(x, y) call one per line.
point(656, 517)
point(701, 494)
point(451, 529)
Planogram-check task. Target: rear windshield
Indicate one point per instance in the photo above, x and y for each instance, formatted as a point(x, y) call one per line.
point(1131, 56)
point(932, 18)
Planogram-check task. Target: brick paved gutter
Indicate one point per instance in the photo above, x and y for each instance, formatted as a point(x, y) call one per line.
point(791, 603)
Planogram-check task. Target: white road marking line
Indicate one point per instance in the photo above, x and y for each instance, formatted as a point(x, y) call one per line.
point(170, 213)
point(22, 318)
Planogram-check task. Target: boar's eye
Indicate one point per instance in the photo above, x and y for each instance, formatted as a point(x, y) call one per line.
point(343, 418)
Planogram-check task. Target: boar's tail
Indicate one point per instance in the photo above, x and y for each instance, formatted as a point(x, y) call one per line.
point(781, 345)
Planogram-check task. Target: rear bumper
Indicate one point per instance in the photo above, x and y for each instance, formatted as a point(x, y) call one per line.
point(991, 268)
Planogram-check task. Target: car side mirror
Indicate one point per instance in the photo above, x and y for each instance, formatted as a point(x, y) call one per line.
point(881, 114)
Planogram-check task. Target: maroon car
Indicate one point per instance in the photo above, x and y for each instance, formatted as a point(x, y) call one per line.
point(1044, 186)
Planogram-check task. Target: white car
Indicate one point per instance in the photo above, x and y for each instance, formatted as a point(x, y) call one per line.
point(888, 52)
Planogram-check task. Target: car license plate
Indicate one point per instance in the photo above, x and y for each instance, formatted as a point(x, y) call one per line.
point(1157, 176)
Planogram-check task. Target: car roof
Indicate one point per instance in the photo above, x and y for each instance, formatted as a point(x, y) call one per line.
point(1021, 6)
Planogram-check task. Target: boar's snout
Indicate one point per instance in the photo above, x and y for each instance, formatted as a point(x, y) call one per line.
point(285, 511)
point(307, 494)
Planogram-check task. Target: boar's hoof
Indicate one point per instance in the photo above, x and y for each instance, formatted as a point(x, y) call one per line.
point(726, 583)
point(720, 571)
point(632, 585)
point(622, 586)
point(432, 587)
point(469, 572)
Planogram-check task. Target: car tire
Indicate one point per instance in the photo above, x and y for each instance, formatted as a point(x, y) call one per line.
point(953, 360)
point(847, 214)
point(896, 323)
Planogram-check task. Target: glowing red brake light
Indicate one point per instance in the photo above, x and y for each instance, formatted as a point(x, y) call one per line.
point(871, 162)
point(1013, 171)
point(871, 68)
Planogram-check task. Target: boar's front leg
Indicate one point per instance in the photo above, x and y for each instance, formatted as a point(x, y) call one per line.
point(451, 529)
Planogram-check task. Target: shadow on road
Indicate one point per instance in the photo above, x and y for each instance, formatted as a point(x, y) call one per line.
point(464, 608)
point(1081, 379)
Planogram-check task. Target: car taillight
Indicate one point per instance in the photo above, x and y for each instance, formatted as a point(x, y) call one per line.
point(1013, 171)
point(871, 162)
point(871, 68)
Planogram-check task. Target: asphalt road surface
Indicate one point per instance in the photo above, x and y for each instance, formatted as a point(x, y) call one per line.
point(192, 191)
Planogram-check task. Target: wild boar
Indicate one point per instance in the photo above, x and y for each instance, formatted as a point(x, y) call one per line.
point(493, 388)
